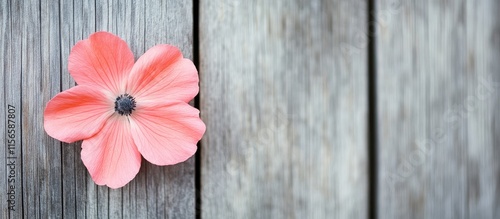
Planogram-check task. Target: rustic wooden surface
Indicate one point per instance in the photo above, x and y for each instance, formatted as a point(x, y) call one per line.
point(438, 109)
point(285, 110)
point(285, 88)
point(36, 38)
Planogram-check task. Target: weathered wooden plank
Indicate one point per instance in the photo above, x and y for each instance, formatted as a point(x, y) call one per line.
point(50, 85)
point(4, 69)
point(13, 85)
point(11, 67)
point(285, 108)
point(36, 39)
point(40, 153)
point(438, 108)
point(483, 105)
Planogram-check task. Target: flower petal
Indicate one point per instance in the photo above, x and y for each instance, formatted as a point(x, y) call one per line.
point(103, 60)
point(163, 74)
point(76, 113)
point(111, 156)
point(166, 134)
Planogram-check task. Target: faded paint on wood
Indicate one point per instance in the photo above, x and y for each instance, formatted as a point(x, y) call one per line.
point(438, 109)
point(284, 97)
point(35, 40)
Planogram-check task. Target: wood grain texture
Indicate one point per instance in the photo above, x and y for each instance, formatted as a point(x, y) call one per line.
point(4, 69)
point(10, 29)
point(35, 40)
point(438, 109)
point(285, 109)
point(284, 91)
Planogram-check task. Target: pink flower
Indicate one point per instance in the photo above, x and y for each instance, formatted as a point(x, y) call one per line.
point(122, 110)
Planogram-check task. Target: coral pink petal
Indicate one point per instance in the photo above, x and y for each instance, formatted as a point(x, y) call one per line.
point(166, 133)
point(111, 156)
point(163, 74)
point(103, 60)
point(77, 113)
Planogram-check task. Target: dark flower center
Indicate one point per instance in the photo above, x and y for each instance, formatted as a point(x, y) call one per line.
point(125, 104)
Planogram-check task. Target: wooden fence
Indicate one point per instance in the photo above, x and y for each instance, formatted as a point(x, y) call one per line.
point(314, 109)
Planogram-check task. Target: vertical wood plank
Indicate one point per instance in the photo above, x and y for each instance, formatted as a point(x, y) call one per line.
point(50, 85)
point(285, 108)
point(438, 108)
point(36, 39)
point(483, 107)
point(14, 85)
point(170, 22)
point(4, 151)
point(40, 81)
point(10, 29)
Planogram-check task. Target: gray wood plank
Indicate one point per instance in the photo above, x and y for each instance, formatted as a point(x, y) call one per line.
point(50, 75)
point(11, 154)
point(438, 109)
point(285, 109)
point(40, 154)
point(9, 204)
point(36, 39)
point(483, 107)
point(13, 85)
